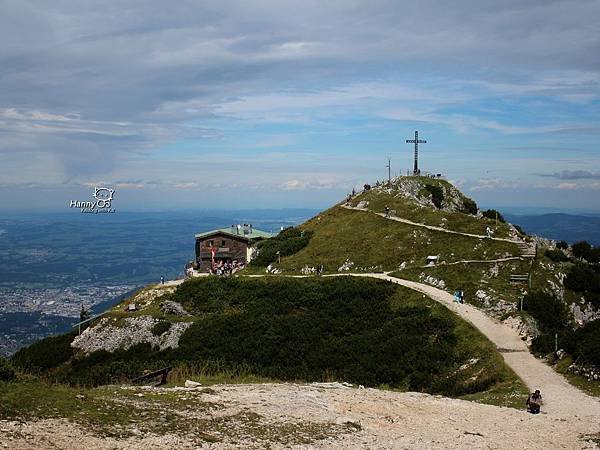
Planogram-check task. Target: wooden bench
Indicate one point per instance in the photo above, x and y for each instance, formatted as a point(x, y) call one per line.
point(162, 373)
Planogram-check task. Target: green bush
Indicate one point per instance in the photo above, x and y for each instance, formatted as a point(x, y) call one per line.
point(45, 354)
point(161, 327)
point(492, 214)
point(289, 241)
point(584, 343)
point(437, 195)
point(551, 313)
point(583, 278)
point(469, 206)
point(314, 329)
point(7, 372)
point(562, 245)
point(581, 249)
point(556, 255)
point(364, 331)
point(584, 250)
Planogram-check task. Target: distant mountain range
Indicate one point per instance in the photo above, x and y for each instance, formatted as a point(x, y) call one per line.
point(568, 227)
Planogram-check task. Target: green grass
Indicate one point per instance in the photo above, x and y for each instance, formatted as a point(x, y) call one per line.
point(472, 277)
point(377, 244)
point(589, 387)
point(511, 394)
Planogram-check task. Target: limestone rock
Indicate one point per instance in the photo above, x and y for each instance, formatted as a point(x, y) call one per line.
point(110, 336)
point(173, 308)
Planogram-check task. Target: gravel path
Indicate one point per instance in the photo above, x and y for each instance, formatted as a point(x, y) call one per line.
point(432, 227)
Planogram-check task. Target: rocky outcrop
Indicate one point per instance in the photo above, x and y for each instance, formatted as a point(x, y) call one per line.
point(108, 335)
point(428, 279)
point(412, 188)
point(493, 305)
point(173, 308)
point(584, 312)
point(526, 327)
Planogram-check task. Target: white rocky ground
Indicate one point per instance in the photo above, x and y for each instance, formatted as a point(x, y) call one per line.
point(330, 415)
point(135, 330)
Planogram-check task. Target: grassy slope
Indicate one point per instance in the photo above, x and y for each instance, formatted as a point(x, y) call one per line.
point(374, 243)
point(410, 210)
point(472, 277)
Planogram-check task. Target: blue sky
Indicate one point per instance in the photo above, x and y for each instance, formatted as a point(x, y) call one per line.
point(273, 103)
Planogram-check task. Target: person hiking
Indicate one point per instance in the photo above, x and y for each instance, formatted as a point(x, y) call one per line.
point(387, 211)
point(461, 296)
point(534, 402)
point(457, 296)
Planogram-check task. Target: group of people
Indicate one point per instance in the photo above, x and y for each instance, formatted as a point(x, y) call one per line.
point(224, 268)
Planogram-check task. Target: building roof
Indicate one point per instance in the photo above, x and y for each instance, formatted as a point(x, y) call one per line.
point(233, 232)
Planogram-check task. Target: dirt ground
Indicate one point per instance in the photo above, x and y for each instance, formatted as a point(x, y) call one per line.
point(330, 415)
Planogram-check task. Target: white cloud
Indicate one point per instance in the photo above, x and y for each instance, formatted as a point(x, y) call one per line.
point(567, 186)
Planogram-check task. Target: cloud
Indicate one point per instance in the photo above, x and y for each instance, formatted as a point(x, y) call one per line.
point(573, 175)
point(131, 90)
point(567, 186)
point(491, 184)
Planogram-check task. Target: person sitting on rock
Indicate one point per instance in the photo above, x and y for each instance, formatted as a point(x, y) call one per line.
point(534, 402)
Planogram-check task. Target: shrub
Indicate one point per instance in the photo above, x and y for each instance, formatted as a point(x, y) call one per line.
point(313, 329)
point(437, 195)
point(581, 249)
point(289, 241)
point(584, 343)
point(492, 214)
point(45, 354)
point(7, 372)
point(556, 255)
point(161, 327)
point(470, 207)
point(584, 250)
point(551, 312)
point(562, 245)
point(583, 277)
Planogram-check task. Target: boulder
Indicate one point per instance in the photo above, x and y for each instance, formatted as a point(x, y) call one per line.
point(173, 308)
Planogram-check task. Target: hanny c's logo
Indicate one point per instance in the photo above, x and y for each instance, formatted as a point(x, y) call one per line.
point(102, 202)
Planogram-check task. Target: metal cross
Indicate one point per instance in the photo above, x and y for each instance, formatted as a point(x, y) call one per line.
point(416, 141)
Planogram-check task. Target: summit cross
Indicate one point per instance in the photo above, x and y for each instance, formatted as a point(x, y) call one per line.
point(416, 141)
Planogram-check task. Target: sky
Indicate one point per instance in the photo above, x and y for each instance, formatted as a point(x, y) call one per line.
point(238, 104)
